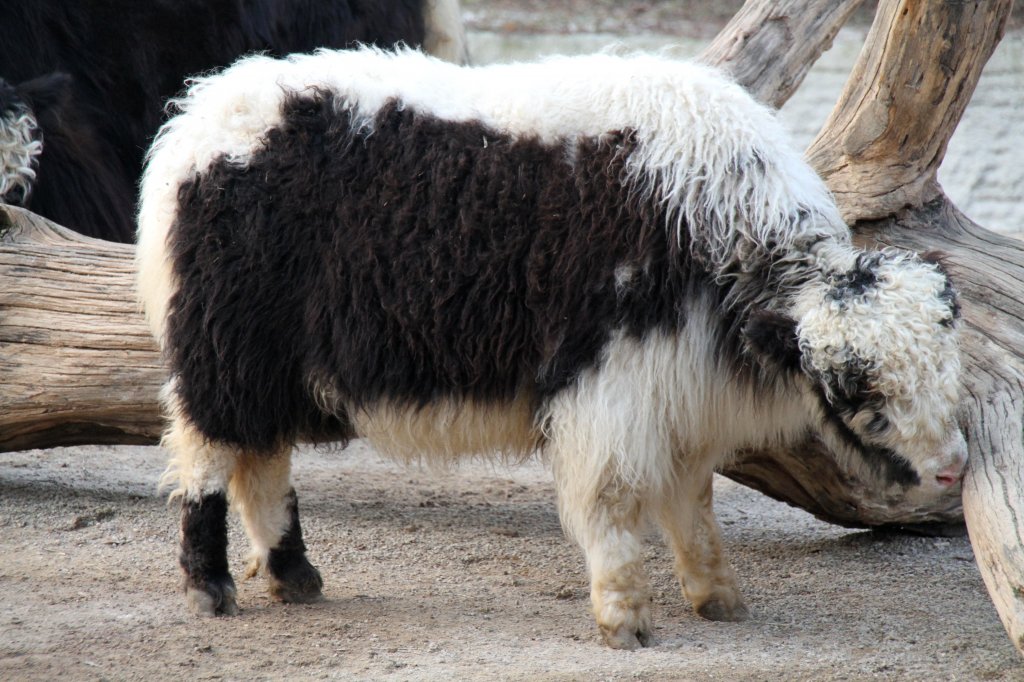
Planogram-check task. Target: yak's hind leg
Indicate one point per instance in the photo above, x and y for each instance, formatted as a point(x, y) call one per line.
point(688, 518)
point(260, 489)
point(201, 471)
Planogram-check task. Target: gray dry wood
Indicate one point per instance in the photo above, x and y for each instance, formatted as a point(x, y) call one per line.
point(77, 362)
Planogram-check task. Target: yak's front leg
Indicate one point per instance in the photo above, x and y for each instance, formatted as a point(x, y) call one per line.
point(707, 579)
point(202, 471)
point(606, 522)
point(268, 506)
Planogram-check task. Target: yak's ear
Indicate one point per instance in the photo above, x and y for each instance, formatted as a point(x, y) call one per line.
point(51, 92)
point(772, 337)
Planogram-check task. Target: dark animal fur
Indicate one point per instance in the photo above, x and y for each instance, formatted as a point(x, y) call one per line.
point(856, 282)
point(78, 184)
point(293, 578)
point(427, 260)
point(204, 542)
point(938, 259)
point(119, 61)
point(773, 336)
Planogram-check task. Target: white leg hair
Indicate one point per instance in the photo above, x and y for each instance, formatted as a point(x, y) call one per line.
point(197, 466)
point(607, 523)
point(608, 446)
point(259, 491)
point(687, 516)
point(257, 485)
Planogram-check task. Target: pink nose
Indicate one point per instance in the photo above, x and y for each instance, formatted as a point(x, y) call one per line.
point(951, 475)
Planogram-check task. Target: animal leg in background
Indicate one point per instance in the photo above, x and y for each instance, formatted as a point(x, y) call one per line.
point(687, 515)
point(260, 490)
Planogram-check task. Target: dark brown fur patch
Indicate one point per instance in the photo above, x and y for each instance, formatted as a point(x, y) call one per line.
point(293, 578)
point(427, 260)
point(939, 260)
point(204, 545)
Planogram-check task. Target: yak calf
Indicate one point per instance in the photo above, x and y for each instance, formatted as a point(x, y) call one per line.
point(619, 262)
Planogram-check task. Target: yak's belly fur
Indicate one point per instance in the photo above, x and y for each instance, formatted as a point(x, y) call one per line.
point(447, 429)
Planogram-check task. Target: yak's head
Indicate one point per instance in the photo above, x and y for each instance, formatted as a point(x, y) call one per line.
point(876, 336)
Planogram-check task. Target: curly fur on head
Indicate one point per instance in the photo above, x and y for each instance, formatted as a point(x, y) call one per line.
point(20, 146)
point(878, 333)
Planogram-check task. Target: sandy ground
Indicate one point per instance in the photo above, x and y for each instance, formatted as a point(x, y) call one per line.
point(466, 574)
point(459, 575)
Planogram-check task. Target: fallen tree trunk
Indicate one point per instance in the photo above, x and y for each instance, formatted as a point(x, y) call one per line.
point(77, 362)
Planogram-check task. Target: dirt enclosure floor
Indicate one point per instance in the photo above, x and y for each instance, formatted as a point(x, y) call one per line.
point(465, 575)
point(459, 576)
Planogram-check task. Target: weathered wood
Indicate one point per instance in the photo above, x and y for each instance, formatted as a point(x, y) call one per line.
point(769, 46)
point(77, 363)
point(882, 146)
point(880, 152)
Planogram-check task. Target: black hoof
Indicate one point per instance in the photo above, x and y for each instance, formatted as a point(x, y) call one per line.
point(214, 598)
point(720, 611)
point(296, 581)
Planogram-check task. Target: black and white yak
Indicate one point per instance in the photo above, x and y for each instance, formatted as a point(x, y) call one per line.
point(619, 262)
point(93, 77)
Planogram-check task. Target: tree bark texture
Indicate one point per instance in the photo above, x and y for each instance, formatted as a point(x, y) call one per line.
point(769, 47)
point(887, 136)
point(77, 362)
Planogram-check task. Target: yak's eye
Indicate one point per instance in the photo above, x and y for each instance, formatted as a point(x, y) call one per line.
point(878, 424)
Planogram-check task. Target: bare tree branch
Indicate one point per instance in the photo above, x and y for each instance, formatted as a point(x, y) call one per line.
point(882, 146)
point(770, 46)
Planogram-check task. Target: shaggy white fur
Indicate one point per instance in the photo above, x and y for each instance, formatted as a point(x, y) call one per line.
point(901, 332)
point(19, 152)
point(723, 162)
